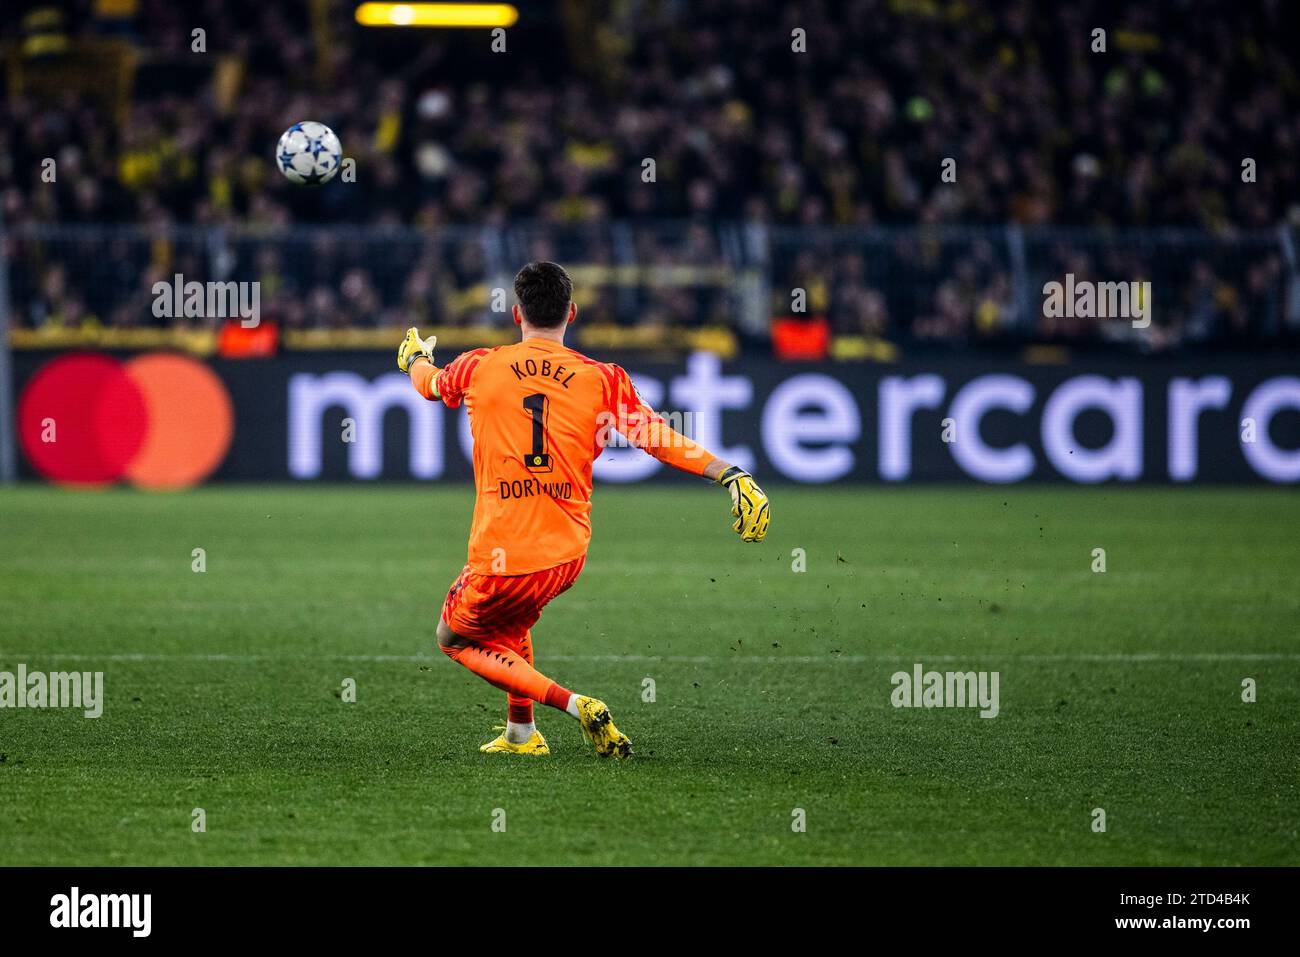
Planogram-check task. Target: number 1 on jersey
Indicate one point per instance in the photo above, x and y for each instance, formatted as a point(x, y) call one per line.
point(539, 459)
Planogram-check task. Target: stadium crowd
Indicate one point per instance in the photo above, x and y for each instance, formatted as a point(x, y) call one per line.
point(814, 126)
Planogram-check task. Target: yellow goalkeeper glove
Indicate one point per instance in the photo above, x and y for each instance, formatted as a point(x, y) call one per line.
point(748, 504)
point(413, 347)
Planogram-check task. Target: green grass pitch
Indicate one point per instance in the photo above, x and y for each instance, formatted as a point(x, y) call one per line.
point(1120, 691)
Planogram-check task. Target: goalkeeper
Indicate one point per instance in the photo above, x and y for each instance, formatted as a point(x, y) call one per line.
point(540, 413)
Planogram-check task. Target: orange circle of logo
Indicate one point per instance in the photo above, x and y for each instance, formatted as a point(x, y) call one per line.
point(190, 421)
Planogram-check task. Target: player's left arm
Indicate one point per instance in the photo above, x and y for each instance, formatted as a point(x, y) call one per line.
point(424, 376)
point(448, 383)
point(415, 358)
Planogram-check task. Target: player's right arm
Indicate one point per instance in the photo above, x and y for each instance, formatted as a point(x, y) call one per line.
point(646, 429)
point(749, 504)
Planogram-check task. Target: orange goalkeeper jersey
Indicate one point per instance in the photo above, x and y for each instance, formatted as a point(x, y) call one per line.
point(540, 414)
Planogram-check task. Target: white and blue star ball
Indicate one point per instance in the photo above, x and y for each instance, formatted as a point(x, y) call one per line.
point(309, 153)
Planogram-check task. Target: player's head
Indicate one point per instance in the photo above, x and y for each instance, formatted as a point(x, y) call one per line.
point(545, 294)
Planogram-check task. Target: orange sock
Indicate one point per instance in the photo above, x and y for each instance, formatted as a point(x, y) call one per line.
point(520, 710)
point(499, 666)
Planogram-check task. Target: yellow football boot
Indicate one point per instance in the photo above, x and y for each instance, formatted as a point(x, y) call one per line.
point(534, 745)
point(593, 715)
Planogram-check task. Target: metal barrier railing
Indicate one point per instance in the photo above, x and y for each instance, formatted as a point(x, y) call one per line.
point(904, 283)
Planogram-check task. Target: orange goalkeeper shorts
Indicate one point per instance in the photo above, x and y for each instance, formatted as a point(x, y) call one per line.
point(503, 607)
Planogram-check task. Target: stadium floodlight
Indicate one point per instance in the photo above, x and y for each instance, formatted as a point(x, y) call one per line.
point(437, 15)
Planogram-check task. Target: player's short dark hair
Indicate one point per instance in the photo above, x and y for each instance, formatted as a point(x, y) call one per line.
point(544, 291)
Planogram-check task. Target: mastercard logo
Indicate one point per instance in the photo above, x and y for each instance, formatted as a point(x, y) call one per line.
point(158, 421)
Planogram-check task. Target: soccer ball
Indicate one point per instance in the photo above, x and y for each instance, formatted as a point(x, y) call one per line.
point(309, 153)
